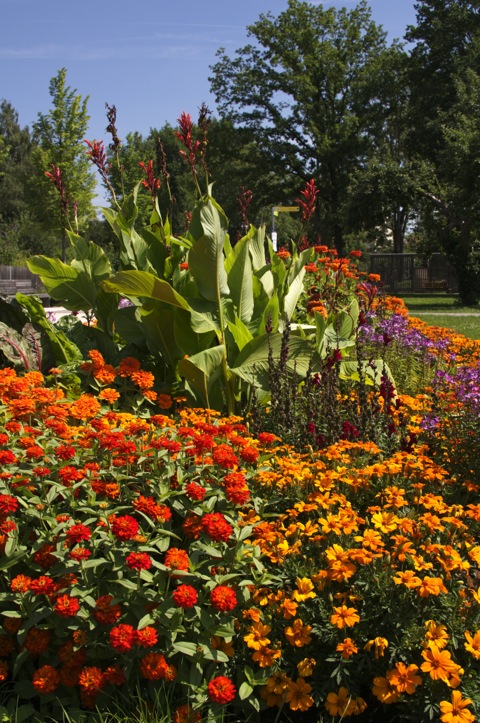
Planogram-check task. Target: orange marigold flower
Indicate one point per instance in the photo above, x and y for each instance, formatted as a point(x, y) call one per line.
point(305, 589)
point(306, 667)
point(257, 637)
point(221, 690)
point(298, 634)
point(340, 703)
point(473, 644)
point(404, 678)
point(298, 695)
point(436, 634)
point(46, 679)
point(384, 691)
point(455, 712)
point(347, 648)
point(344, 617)
point(379, 645)
point(439, 664)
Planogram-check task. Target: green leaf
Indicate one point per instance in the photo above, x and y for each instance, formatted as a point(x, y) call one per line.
point(64, 350)
point(241, 334)
point(205, 259)
point(185, 648)
point(201, 368)
point(256, 247)
point(143, 284)
point(252, 362)
point(89, 257)
point(245, 690)
point(239, 268)
point(74, 288)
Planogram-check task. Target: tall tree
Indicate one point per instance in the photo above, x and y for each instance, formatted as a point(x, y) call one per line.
point(16, 168)
point(60, 134)
point(445, 102)
point(306, 86)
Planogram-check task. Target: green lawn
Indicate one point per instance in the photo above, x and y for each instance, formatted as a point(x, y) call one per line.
point(441, 310)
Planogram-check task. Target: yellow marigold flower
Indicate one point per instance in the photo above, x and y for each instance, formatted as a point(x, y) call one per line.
point(455, 712)
point(344, 617)
point(407, 578)
point(305, 667)
point(256, 638)
point(473, 644)
point(304, 589)
point(436, 634)
point(404, 678)
point(379, 644)
point(347, 648)
point(298, 634)
point(298, 695)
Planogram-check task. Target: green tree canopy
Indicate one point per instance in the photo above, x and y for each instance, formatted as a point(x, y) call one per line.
point(60, 135)
point(308, 86)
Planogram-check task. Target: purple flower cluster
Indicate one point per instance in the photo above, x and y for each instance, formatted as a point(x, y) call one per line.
point(396, 329)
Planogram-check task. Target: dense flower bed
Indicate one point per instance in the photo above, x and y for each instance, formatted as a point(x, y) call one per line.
point(186, 559)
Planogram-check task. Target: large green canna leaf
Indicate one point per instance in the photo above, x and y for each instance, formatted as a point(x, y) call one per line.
point(252, 362)
point(241, 333)
point(257, 247)
point(372, 371)
point(158, 319)
point(202, 369)
point(143, 284)
point(238, 265)
point(89, 257)
point(206, 259)
point(64, 283)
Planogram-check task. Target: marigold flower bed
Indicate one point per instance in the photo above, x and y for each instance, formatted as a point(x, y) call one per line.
point(223, 572)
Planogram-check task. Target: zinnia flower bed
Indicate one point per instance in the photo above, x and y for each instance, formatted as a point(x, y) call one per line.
point(225, 574)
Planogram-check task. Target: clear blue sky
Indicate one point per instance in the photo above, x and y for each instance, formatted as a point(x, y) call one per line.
point(149, 58)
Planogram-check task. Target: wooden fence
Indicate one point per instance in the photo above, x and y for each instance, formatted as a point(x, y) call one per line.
point(19, 279)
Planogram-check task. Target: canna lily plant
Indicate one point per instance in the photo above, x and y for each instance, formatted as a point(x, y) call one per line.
point(208, 312)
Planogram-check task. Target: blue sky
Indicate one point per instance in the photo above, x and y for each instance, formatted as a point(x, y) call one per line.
point(149, 58)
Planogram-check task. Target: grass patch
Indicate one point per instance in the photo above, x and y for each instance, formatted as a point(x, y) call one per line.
point(443, 304)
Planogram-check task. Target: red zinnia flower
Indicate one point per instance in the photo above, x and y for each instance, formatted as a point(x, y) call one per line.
point(176, 559)
point(224, 456)
point(185, 596)
point(122, 638)
point(43, 585)
point(115, 675)
point(221, 689)
point(195, 491)
point(147, 637)
point(125, 527)
point(46, 679)
point(66, 606)
point(223, 598)
point(105, 612)
point(216, 526)
point(8, 504)
point(77, 533)
point(154, 666)
point(139, 561)
point(91, 680)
